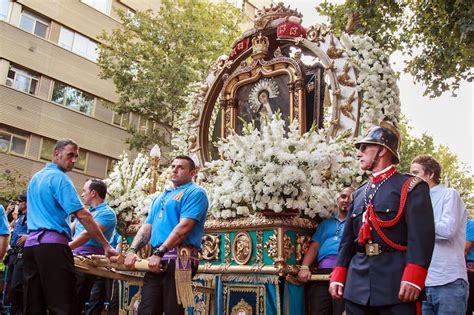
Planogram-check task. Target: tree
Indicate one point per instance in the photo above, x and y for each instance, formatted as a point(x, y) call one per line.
point(12, 183)
point(437, 36)
point(453, 172)
point(153, 58)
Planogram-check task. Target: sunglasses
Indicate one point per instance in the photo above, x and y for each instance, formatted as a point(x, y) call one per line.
point(363, 146)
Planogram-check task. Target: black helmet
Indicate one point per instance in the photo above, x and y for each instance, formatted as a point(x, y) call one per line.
point(385, 135)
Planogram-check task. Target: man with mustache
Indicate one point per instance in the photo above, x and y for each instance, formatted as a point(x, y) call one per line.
point(389, 235)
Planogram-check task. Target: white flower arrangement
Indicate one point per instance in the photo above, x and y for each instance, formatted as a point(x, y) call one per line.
point(275, 169)
point(376, 81)
point(279, 170)
point(127, 189)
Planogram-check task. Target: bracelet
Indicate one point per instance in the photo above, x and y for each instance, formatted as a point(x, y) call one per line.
point(304, 267)
point(158, 252)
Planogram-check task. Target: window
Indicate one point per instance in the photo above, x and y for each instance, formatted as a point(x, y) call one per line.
point(110, 166)
point(34, 24)
point(81, 161)
point(46, 154)
point(72, 98)
point(22, 80)
point(12, 143)
point(122, 120)
point(100, 5)
point(78, 44)
point(146, 124)
point(4, 9)
point(47, 146)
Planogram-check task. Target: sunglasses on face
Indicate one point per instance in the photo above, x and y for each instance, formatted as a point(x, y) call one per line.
point(363, 147)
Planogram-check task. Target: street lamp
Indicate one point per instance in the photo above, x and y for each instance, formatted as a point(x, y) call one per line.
point(155, 156)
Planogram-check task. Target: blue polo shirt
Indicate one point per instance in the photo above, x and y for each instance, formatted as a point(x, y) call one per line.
point(52, 198)
point(187, 201)
point(3, 222)
point(115, 239)
point(19, 229)
point(103, 215)
point(328, 234)
point(470, 237)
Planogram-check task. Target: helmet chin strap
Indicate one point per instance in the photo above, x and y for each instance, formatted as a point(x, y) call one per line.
point(376, 159)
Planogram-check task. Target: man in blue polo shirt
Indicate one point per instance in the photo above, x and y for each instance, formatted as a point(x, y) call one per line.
point(93, 195)
point(469, 253)
point(325, 245)
point(174, 228)
point(49, 275)
point(15, 262)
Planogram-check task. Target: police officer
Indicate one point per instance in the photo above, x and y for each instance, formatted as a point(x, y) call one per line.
point(15, 261)
point(388, 238)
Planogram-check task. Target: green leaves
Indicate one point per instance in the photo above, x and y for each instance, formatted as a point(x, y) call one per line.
point(436, 34)
point(453, 172)
point(153, 58)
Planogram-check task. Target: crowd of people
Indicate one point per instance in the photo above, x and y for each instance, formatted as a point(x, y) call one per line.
point(398, 244)
point(52, 223)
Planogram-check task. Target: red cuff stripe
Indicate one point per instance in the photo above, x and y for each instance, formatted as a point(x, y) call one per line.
point(415, 274)
point(339, 275)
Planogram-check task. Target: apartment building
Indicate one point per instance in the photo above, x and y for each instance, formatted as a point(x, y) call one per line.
point(49, 84)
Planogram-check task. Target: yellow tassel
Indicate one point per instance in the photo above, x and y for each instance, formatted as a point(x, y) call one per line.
point(183, 277)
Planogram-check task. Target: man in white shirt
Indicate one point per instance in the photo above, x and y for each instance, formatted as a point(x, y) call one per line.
point(446, 284)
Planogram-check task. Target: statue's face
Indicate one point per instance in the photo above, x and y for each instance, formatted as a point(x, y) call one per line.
point(263, 97)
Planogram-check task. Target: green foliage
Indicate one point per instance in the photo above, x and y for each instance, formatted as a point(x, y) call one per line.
point(12, 183)
point(436, 35)
point(454, 173)
point(153, 58)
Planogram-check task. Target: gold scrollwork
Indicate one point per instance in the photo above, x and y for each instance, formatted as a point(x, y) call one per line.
point(227, 248)
point(272, 246)
point(242, 248)
point(302, 245)
point(279, 246)
point(242, 308)
point(259, 256)
point(210, 247)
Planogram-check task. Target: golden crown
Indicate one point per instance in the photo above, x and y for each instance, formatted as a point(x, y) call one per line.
point(278, 11)
point(260, 46)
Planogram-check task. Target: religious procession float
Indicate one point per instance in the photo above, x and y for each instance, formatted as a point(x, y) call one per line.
point(272, 128)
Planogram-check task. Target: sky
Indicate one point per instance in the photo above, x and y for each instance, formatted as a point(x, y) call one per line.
point(449, 120)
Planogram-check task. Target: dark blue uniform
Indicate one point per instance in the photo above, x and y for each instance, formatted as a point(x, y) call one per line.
point(375, 280)
point(15, 266)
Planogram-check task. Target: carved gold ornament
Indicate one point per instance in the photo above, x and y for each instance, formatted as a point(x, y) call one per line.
point(210, 247)
point(332, 51)
point(344, 78)
point(242, 308)
point(302, 245)
point(279, 250)
point(346, 108)
point(242, 248)
point(316, 33)
point(227, 248)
